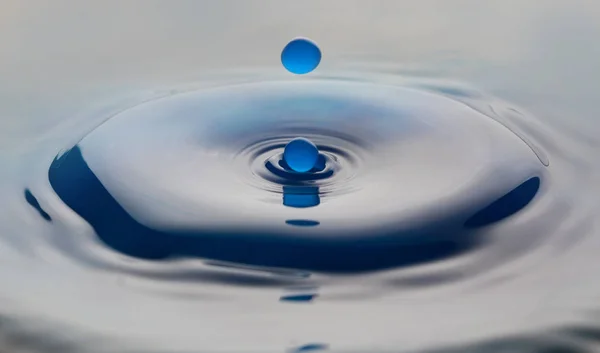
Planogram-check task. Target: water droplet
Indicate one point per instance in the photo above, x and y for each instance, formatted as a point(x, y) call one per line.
point(301, 155)
point(301, 56)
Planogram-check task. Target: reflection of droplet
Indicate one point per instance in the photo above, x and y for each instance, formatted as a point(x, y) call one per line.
point(302, 222)
point(301, 196)
point(298, 298)
point(301, 56)
point(300, 155)
point(311, 347)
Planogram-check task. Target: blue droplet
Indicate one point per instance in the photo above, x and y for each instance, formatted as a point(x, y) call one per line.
point(301, 56)
point(301, 155)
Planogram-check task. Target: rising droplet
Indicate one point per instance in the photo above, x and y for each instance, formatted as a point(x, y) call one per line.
point(301, 155)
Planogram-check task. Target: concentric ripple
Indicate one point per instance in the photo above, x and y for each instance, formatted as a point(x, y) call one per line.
point(404, 176)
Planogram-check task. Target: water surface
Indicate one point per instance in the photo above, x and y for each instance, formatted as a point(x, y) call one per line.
point(145, 204)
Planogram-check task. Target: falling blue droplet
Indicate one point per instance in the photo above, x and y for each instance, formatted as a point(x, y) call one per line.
point(301, 155)
point(301, 56)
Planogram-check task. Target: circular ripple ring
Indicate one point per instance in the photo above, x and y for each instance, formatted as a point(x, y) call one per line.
point(405, 176)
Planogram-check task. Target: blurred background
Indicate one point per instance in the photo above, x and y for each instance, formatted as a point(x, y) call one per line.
point(53, 53)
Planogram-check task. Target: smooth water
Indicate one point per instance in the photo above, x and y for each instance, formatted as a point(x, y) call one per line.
point(450, 203)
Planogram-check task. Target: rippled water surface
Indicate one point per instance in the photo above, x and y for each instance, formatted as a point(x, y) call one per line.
point(146, 204)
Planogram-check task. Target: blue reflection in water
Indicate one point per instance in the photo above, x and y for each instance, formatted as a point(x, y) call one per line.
point(32, 200)
point(79, 188)
point(301, 196)
point(355, 241)
point(311, 347)
point(301, 298)
point(507, 205)
point(302, 222)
